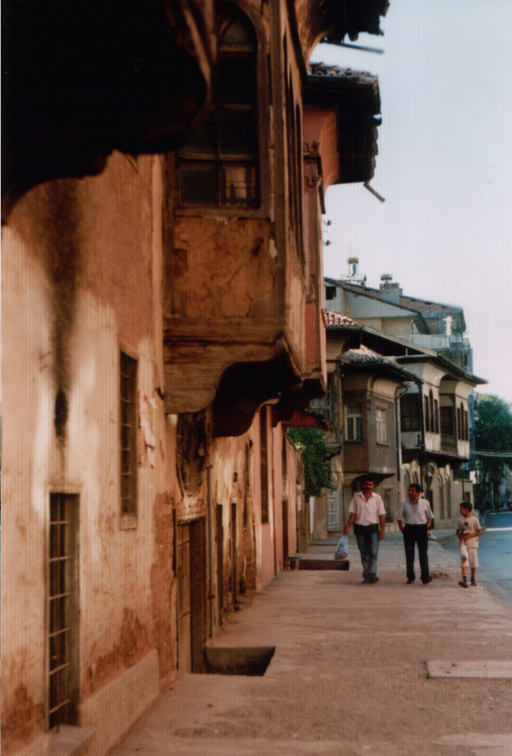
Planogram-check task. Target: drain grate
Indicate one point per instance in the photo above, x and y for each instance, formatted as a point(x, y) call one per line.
point(250, 661)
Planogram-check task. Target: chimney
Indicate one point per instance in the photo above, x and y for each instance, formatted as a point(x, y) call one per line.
point(389, 291)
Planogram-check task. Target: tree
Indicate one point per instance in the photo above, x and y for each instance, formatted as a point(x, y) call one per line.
point(493, 436)
point(316, 459)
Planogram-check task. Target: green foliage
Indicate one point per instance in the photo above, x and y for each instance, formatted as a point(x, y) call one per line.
point(493, 433)
point(316, 459)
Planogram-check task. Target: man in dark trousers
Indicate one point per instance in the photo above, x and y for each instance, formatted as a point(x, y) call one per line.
point(414, 518)
point(367, 514)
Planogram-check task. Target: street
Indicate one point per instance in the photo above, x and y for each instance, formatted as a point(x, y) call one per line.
point(494, 555)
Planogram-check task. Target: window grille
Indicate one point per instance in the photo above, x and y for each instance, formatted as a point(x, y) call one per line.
point(62, 611)
point(128, 394)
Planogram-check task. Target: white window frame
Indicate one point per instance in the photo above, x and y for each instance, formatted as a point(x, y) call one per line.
point(353, 422)
point(381, 425)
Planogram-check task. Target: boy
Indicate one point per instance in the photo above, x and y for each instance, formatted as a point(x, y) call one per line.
point(468, 530)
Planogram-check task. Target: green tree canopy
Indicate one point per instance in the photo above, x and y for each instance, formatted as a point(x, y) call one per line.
point(316, 459)
point(493, 434)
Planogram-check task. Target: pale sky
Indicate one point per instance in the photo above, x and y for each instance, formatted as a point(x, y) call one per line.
point(444, 167)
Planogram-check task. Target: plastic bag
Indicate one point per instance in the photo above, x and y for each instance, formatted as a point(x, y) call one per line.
point(341, 549)
point(463, 552)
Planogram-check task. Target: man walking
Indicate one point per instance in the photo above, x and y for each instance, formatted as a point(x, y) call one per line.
point(414, 518)
point(367, 514)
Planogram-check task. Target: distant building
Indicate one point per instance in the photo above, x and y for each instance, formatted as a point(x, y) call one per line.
point(436, 408)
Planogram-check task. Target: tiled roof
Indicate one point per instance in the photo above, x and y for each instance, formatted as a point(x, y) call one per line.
point(365, 355)
point(324, 69)
point(335, 319)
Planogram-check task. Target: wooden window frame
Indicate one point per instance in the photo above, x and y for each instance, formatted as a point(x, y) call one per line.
point(353, 423)
point(410, 416)
point(381, 426)
point(214, 160)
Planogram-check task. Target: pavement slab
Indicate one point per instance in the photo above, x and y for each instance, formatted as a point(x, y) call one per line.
point(349, 672)
point(478, 669)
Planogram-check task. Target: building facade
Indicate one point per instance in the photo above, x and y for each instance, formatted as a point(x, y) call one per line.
point(162, 324)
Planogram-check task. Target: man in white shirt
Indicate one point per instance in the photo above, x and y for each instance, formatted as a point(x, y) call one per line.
point(414, 518)
point(367, 514)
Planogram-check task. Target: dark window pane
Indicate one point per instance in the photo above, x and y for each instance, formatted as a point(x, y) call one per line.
point(233, 29)
point(203, 143)
point(238, 133)
point(58, 577)
point(237, 80)
point(198, 185)
point(58, 650)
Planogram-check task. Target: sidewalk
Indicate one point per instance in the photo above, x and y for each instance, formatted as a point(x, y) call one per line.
point(349, 674)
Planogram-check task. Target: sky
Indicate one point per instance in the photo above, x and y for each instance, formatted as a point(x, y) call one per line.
point(444, 167)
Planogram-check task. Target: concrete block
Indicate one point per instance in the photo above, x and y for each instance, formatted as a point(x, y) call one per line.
point(479, 669)
point(114, 709)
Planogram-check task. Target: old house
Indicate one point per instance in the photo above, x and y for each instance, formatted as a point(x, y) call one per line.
point(363, 409)
point(162, 322)
point(428, 340)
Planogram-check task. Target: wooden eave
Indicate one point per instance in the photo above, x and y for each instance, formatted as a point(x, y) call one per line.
point(235, 365)
point(445, 364)
point(82, 79)
point(356, 99)
point(333, 20)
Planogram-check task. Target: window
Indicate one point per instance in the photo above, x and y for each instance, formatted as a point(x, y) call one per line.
point(466, 425)
point(330, 292)
point(353, 423)
point(381, 424)
point(62, 611)
point(387, 499)
point(427, 413)
point(264, 464)
point(128, 435)
point(410, 413)
point(436, 416)
point(447, 421)
point(459, 422)
point(219, 167)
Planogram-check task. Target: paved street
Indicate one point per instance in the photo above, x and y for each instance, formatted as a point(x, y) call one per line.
point(494, 555)
point(385, 670)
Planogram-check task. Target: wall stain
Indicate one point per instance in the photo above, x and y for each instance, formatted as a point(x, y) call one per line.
point(162, 578)
point(22, 722)
point(64, 263)
point(131, 647)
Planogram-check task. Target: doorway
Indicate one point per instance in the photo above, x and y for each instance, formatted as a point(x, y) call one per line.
point(191, 576)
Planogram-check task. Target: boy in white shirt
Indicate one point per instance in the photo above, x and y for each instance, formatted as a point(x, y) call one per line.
point(468, 530)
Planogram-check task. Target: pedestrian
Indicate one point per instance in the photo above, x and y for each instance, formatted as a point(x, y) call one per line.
point(367, 515)
point(468, 530)
point(414, 518)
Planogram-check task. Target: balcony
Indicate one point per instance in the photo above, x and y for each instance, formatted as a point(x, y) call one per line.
point(448, 444)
